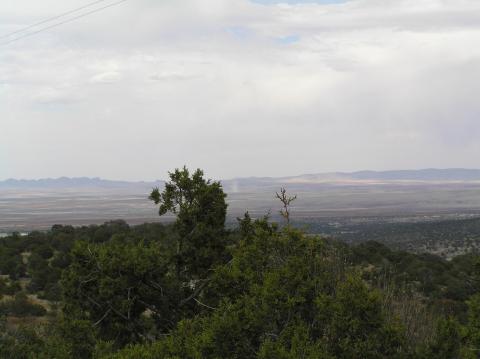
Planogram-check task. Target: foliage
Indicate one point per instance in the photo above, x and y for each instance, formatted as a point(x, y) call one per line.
point(21, 306)
point(200, 207)
point(283, 294)
point(113, 284)
point(445, 238)
point(433, 276)
point(195, 289)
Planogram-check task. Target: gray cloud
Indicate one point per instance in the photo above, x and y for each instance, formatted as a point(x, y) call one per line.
point(147, 86)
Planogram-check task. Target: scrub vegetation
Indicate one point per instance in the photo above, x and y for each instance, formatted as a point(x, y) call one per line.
point(197, 288)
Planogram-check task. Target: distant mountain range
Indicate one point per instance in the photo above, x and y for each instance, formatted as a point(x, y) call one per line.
point(365, 177)
point(76, 182)
point(452, 174)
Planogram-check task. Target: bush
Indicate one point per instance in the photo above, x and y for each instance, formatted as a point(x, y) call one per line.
point(20, 306)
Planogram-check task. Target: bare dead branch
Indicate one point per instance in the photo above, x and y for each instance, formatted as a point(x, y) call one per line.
point(286, 202)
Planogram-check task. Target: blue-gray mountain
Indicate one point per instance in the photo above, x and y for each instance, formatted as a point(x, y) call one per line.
point(437, 175)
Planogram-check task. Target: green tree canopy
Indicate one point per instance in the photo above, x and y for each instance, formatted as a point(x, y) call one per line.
point(283, 295)
point(200, 209)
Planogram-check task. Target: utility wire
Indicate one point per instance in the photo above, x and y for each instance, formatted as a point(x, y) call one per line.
point(63, 22)
point(51, 19)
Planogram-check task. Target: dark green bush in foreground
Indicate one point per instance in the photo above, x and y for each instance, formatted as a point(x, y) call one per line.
point(21, 306)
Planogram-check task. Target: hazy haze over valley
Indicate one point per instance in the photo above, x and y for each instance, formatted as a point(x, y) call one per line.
point(361, 196)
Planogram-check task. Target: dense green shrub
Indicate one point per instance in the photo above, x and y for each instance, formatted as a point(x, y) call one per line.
point(21, 306)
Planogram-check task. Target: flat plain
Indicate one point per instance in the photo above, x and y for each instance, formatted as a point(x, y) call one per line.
point(320, 200)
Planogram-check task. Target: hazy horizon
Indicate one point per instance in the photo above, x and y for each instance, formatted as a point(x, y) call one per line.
point(246, 176)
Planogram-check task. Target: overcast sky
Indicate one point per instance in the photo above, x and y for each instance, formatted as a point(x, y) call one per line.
point(240, 88)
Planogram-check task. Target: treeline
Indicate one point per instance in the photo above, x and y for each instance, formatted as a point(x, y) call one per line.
point(446, 238)
point(195, 289)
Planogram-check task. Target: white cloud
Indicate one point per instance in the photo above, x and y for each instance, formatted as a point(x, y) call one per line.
point(365, 84)
point(55, 96)
point(106, 78)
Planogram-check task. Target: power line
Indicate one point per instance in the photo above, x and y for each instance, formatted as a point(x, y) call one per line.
point(63, 22)
point(51, 19)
